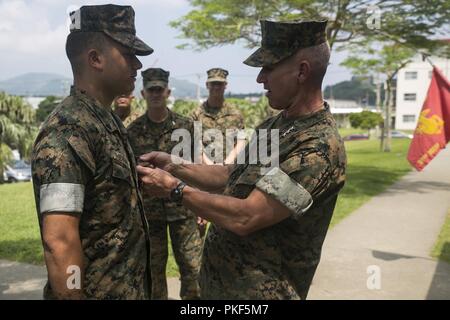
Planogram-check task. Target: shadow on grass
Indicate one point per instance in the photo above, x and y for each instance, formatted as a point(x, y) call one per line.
point(23, 250)
point(440, 285)
point(370, 180)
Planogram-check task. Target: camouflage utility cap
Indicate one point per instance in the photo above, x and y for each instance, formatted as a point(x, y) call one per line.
point(282, 39)
point(115, 21)
point(217, 75)
point(155, 77)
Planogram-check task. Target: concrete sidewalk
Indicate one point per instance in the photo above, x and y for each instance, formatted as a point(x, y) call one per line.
point(385, 243)
point(393, 233)
point(21, 281)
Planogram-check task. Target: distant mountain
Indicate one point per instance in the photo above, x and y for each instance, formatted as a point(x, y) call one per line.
point(36, 84)
point(48, 84)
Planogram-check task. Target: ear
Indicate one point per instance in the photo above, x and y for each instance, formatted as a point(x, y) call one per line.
point(304, 71)
point(207, 85)
point(169, 92)
point(95, 59)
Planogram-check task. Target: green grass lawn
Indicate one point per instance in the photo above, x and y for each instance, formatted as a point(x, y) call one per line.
point(441, 249)
point(347, 131)
point(369, 173)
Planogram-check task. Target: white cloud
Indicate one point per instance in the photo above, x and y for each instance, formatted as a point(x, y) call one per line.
point(25, 29)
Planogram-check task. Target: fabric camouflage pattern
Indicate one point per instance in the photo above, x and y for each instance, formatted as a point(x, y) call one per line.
point(217, 75)
point(132, 117)
point(281, 40)
point(83, 143)
point(115, 21)
point(279, 262)
point(155, 77)
point(187, 249)
point(227, 117)
point(146, 136)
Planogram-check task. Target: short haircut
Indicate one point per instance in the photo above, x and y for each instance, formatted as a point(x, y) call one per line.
point(79, 42)
point(319, 58)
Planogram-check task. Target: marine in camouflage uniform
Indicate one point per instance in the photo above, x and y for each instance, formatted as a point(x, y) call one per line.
point(83, 165)
point(268, 228)
point(279, 262)
point(124, 110)
point(222, 118)
point(145, 136)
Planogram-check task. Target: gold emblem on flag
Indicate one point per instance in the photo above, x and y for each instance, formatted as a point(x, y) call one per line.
point(429, 125)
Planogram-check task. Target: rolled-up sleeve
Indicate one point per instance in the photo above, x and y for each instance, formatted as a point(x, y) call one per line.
point(283, 188)
point(298, 181)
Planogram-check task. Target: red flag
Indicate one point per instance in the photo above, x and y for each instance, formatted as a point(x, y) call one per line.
point(433, 129)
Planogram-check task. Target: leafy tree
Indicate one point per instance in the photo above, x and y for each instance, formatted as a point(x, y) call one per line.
point(253, 113)
point(17, 130)
point(359, 89)
point(184, 107)
point(387, 61)
point(219, 22)
point(366, 120)
point(45, 107)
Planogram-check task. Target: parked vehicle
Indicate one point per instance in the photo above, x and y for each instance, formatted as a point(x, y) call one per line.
point(395, 134)
point(358, 136)
point(18, 171)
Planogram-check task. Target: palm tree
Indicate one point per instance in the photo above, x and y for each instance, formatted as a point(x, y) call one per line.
point(17, 128)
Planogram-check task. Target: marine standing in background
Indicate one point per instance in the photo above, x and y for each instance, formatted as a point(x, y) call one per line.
point(216, 113)
point(152, 132)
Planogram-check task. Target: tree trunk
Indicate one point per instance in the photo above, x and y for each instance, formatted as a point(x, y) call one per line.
point(383, 129)
point(386, 141)
point(1, 161)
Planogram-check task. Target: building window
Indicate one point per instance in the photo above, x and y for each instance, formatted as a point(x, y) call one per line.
point(409, 118)
point(410, 75)
point(409, 97)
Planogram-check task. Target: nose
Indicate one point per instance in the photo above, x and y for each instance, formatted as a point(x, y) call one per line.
point(261, 78)
point(136, 63)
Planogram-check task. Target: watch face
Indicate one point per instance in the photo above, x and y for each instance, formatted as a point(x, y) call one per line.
point(176, 195)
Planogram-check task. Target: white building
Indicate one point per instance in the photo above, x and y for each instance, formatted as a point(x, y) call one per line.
point(412, 87)
point(341, 110)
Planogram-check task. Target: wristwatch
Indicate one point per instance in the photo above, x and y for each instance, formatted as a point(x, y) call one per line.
point(176, 195)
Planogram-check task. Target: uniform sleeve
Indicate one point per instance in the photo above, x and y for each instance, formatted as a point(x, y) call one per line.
point(240, 121)
point(298, 181)
point(194, 115)
point(62, 165)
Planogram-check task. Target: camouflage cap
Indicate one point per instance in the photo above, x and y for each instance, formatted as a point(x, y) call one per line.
point(217, 75)
point(155, 77)
point(115, 21)
point(282, 39)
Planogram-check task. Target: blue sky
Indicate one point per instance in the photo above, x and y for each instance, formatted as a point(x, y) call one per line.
point(33, 32)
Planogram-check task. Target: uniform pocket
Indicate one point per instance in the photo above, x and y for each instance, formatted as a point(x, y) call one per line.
point(121, 171)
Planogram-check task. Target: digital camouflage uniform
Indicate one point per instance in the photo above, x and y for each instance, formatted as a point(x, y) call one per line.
point(226, 117)
point(82, 164)
point(146, 136)
point(132, 117)
point(279, 262)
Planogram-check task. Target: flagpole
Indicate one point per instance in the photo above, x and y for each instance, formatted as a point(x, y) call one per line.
point(427, 58)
